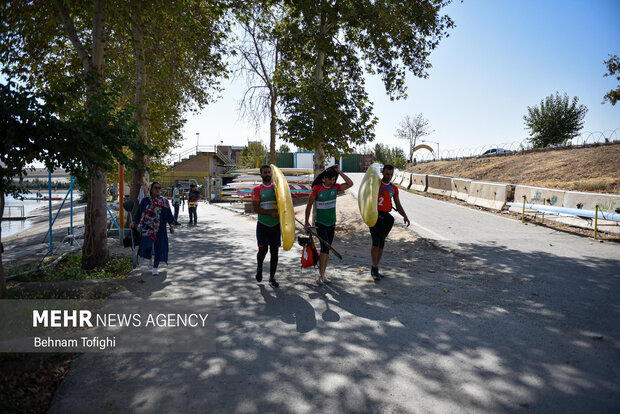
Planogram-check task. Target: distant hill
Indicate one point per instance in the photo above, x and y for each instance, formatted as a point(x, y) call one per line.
point(593, 169)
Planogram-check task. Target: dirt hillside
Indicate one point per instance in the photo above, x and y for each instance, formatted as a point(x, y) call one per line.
point(593, 169)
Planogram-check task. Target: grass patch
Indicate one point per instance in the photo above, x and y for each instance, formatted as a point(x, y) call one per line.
point(592, 185)
point(70, 268)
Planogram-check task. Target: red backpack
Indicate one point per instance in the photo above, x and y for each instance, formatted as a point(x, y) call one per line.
point(309, 254)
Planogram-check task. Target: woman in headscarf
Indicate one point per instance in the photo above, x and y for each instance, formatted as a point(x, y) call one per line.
point(152, 216)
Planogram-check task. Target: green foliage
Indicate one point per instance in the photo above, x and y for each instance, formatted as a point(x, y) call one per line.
point(184, 54)
point(284, 148)
point(253, 155)
point(42, 128)
point(326, 46)
point(613, 69)
point(555, 120)
point(69, 268)
point(383, 154)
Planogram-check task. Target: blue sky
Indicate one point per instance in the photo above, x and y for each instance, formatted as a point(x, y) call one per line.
point(502, 57)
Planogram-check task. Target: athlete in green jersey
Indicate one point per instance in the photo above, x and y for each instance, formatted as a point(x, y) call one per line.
point(324, 193)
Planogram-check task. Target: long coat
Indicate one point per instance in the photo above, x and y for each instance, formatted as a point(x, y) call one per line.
point(161, 239)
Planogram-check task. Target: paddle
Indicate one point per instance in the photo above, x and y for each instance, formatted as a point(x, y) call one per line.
point(312, 231)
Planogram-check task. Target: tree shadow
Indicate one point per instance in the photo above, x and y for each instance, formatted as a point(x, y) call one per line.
point(488, 329)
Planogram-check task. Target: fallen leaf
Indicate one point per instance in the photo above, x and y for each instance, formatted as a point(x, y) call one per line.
point(430, 271)
point(446, 290)
point(534, 294)
point(141, 281)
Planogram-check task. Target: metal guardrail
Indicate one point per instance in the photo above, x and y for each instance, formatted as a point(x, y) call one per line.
point(195, 150)
point(8, 213)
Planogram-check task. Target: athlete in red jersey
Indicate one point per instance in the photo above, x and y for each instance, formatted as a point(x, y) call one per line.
point(380, 231)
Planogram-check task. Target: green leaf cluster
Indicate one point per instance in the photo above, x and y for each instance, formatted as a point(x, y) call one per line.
point(555, 120)
point(395, 156)
point(613, 69)
point(327, 46)
point(253, 155)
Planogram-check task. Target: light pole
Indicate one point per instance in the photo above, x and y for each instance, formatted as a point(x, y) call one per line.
point(433, 142)
point(197, 140)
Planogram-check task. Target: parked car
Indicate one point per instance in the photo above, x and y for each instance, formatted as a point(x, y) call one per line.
point(494, 151)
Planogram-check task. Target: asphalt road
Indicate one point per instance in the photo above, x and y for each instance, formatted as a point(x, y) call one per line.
point(529, 324)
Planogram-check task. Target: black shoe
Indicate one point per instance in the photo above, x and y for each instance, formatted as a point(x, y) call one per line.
point(374, 272)
point(259, 274)
point(273, 282)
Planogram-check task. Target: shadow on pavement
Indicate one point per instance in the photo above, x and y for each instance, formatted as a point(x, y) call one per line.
point(489, 329)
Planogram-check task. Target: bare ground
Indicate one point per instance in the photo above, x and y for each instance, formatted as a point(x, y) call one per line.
point(594, 169)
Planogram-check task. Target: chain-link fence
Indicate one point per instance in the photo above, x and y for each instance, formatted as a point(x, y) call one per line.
point(583, 140)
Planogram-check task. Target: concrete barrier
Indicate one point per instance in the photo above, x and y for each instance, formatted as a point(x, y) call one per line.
point(419, 182)
point(398, 177)
point(490, 195)
point(406, 183)
point(460, 188)
point(439, 184)
point(589, 201)
point(537, 195)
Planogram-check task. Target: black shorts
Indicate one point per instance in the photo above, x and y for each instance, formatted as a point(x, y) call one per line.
point(380, 231)
point(327, 234)
point(267, 236)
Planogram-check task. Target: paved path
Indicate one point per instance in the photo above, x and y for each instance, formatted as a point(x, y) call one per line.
point(521, 326)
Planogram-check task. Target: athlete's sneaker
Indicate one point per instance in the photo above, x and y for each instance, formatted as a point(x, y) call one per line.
point(259, 274)
point(155, 271)
point(374, 272)
point(273, 282)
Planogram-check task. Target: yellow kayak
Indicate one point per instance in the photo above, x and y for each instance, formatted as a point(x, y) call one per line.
point(285, 207)
point(368, 195)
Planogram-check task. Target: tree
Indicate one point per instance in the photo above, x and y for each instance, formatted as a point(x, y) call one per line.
point(175, 61)
point(613, 69)
point(411, 130)
point(253, 155)
point(258, 61)
point(384, 155)
point(83, 143)
point(326, 45)
point(284, 148)
point(555, 120)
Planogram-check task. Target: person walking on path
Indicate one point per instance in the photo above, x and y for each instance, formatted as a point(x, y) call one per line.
point(151, 218)
point(176, 202)
point(324, 192)
point(381, 229)
point(192, 204)
point(268, 226)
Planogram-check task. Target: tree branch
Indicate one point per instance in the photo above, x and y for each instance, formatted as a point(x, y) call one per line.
point(69, 26)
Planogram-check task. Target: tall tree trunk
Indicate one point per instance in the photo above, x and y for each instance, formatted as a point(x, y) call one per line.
point(141, 104)
point(319, 152)
point(95, 248)
point(272, 131)
point(2, 281)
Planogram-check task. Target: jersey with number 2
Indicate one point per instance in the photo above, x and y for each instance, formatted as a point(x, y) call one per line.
point(386, 192)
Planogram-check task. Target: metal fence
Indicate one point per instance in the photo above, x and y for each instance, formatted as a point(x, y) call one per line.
point(583, 140)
